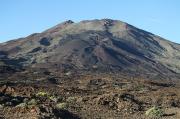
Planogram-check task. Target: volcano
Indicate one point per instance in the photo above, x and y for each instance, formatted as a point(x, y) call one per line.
point(101, 45)
point(93, 69)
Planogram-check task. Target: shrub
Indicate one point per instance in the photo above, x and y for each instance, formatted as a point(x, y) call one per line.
point(71, 99)
point(1, 106)
point(53, 98)
point(62, 105)
point(41, 94)
point(155, 112)
point(22, 105)
point(140, 88)
point(27, 104)
point(32, 102)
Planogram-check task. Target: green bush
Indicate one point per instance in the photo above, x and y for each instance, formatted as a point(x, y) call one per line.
point(32, 102)
point(22, 105)
point(41, 94)
point(71, 99)
point(140, 88)
point(154, 112)
point(27, 104)
point(62, 105)
point(53, 98)
point(1, 106)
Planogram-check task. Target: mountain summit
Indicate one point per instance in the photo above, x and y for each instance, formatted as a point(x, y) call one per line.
point(100, 45)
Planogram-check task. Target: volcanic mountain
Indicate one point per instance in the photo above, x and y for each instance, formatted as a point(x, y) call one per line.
point(94, 45)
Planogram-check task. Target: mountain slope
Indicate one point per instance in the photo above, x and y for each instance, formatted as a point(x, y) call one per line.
point(101, 45)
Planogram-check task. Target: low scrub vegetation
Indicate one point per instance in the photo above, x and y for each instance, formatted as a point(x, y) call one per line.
point(155, 112)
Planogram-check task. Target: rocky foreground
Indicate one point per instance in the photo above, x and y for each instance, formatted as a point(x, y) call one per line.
point(34, 95)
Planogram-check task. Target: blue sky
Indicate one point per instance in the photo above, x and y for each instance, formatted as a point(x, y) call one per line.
point(19, 18)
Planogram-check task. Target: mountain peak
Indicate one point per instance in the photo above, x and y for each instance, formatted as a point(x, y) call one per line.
point(69, 22)
point(60, 26)
point(105, 44)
